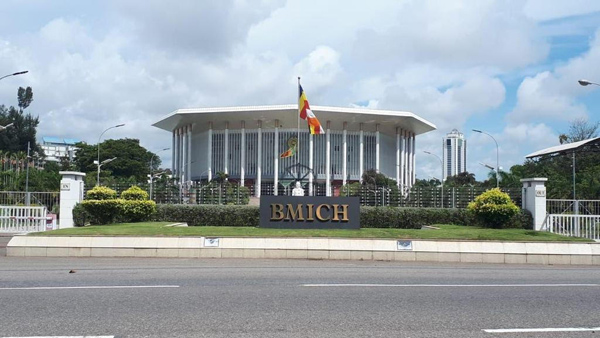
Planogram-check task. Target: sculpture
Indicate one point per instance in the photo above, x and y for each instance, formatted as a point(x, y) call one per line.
point(298, 191)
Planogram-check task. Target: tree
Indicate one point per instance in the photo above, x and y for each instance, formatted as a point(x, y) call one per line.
point(580, 129)
point(461, 179)
point(24, 126)
point(132, 163)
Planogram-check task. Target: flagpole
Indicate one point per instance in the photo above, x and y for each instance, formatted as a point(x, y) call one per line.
point(298, 131)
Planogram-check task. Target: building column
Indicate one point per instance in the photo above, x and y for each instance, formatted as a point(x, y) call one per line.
point(414, 160)
point(173, 152)
point(189, 153)
point(345, 154)
point(398, 157)
point(406, 161)
point(328, 161)
point(310, 164)
point(276, 160)
point(176, 157)
point(209, 151)
point(377, 148)
point(181, 154)
point(361, 161)
point(243, 154)
point(226, 150)
point(259, 161)
point(402, 145)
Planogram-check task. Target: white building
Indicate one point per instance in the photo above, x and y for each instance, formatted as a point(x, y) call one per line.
point(455, 153)
point(56, 148)
point(246, 143)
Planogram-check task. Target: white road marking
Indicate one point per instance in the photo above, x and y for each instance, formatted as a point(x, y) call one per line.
point(451, 285)
point(92, 287)
point(563, 329)
point(65, 337)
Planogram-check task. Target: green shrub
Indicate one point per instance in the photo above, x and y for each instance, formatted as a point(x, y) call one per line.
point(134, 193)
point(410, 218)
point(103, 211)
point(80, 216)
point(101, 193)
point(209, 215)
point(522, 220)
point(136, 211)
point(493, 208)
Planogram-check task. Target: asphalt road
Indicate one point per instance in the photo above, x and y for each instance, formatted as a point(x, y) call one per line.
point(292, 298)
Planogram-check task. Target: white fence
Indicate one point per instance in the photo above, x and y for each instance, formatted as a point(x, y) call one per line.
point(577, 207)
point(16, 219)
point(587, 226)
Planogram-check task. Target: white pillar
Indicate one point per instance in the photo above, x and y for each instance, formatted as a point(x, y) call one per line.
point(243, 155)
point(328, 161)
point(534, 200)
point(71, 193)
point(226, 150)
point(310, 164)
point(377, 147)
point(259, 160)
point(398, 157)
point(209, 151)
point(407, 160)
point(402, 161)
point(173, 152)
point(414, 159)
point(361, 161)
point(345, 154)
point(181, 145)
point(276, 160)
point(184, 167)
point(176, 159)
point(189, 153)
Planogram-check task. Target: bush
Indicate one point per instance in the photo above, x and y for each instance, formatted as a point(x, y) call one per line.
point(103, 211)
point(136, 211)
point(493, 208)
point(522, 220)
point(410, 218)
point(209, 215)
point(134, 193)
point(101, 194)
point(80, 216)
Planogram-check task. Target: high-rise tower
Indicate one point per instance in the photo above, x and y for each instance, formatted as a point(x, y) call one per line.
point(455, 153)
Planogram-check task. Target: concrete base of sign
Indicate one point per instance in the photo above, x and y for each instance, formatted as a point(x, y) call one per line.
point(308, 248)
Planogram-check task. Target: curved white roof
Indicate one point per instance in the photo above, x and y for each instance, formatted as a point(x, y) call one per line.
point(287, 115)
point(569, 147)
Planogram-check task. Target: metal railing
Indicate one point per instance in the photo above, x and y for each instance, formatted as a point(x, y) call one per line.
point(14, 219)
point(575, 207)
point(47, 199)
point(587, 226)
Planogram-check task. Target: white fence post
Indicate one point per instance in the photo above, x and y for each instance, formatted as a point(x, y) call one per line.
point(71, 193)
point(534, 200)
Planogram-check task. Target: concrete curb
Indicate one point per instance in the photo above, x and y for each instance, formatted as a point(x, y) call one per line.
point(308, 248)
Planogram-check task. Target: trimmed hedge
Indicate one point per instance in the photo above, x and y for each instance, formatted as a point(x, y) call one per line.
point(80, 216)
point(134, 193)
point(101, 193)
point(100, 212)
point(494, 208)
point(209, 215)
point(411, 218)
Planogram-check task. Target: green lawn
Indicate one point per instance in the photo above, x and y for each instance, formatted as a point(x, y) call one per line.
point(445, 232)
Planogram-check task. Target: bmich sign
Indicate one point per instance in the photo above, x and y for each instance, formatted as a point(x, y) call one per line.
point(292, 212)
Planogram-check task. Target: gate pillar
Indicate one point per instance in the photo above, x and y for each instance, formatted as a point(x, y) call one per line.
point(71, 193)
point(534, 200)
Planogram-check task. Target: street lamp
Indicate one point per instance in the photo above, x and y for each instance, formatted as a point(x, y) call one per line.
point(587, 83)
point(6, 126)
point(14, 74)
point(98, 162)
point(497, 154)
point(151, 168)
point(442, 180)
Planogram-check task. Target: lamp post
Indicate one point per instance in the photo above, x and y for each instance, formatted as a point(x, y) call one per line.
point(14, 74)
point(442, 165)
point(98, 162)
point(492, 169)
point(497, 154)
point(151, 169)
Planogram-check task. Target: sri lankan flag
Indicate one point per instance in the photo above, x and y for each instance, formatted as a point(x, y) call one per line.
point(292, 143)
point(307, 114)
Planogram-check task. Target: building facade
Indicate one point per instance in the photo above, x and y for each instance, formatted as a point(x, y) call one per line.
point(56, 148)
point(246, 143)
point(455, 153)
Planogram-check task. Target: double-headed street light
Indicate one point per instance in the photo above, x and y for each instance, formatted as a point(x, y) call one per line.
point(100, 164)
point(151, 169)
point(14, 74)
point(442, 180)
point(98, 161)
point(497, 153)
point(6, 126)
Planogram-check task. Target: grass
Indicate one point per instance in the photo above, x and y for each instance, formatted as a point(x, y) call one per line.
point(445, 231)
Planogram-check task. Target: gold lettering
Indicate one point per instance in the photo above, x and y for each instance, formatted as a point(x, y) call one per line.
point(319, 216)
point(309, 213)
point(277, 212)
point(343, 212)
point(294, 214)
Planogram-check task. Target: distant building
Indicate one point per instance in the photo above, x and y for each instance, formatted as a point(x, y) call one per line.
point(56, 148)
point(455, 153)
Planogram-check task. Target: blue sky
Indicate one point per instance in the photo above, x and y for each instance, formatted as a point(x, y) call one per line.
point(507, 67)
